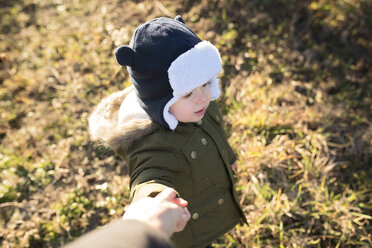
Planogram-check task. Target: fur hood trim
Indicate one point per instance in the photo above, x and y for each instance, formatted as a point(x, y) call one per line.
point(104, 128)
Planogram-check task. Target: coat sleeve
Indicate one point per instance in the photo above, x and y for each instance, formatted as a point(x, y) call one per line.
point(232, 156)
point(122, 234)
point(152, 169)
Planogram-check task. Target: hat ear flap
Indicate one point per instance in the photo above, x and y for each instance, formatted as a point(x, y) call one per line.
point(179, 18)
point(124, 55)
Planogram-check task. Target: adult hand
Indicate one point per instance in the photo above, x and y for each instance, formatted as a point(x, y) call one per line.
point(165, 212)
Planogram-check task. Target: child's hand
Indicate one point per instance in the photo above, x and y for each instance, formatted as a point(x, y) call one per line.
point(180, 202)
point(234, 166)
point(165, 212)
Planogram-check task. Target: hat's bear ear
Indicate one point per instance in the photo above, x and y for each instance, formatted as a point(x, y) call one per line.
point(124, 55)
point(179, 18)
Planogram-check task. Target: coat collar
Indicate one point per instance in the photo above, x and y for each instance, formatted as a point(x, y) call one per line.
point(111, 129)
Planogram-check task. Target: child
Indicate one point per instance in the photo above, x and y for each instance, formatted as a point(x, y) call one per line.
point(168, 127)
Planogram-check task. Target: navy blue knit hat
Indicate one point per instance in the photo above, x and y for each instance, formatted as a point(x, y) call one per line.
point(166, 60)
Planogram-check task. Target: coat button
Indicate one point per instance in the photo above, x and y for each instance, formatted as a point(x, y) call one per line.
point(200, 122)
point(204, 141)
point(195, 216)
point(221, 201)
point(193, 154)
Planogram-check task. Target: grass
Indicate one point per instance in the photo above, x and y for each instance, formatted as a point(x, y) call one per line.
point(297, 104)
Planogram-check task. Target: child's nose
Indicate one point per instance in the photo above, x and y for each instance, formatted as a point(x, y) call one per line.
point(201, 95)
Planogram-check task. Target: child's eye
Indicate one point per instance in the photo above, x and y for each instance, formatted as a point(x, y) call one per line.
point(187, 95)
point(206, 84)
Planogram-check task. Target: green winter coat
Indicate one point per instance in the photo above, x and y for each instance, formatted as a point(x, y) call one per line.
point(194, 159)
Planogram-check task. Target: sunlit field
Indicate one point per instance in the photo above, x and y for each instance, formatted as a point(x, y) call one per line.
point(297, 104)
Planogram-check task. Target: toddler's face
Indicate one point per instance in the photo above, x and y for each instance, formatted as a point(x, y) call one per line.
point(192, 106)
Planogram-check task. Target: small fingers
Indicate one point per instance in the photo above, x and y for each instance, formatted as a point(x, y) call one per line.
point(180, 202)
point(170, 194)
point(167, 194)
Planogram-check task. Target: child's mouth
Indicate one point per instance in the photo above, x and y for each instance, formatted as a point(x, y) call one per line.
point(200, 112)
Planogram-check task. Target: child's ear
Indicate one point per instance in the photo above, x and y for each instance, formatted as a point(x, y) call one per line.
point(179, 18)
point(124, 55)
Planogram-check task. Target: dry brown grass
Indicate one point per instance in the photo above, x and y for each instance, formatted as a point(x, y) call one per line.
point(297, 103)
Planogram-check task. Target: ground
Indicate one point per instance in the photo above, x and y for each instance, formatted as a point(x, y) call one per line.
point(297, 100)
